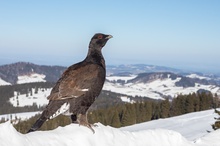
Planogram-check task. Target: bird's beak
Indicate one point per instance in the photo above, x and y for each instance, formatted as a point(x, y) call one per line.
point(109, 36)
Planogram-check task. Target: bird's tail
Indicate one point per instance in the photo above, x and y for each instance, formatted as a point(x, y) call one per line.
point(38, 123)
point(51, 111)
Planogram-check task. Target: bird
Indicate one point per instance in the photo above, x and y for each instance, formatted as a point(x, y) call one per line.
point(77, 88)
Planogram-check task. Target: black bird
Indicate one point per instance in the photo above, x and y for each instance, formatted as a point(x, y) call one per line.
point(78, 86)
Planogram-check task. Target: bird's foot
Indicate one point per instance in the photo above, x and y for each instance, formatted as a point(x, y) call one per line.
point(82, 120)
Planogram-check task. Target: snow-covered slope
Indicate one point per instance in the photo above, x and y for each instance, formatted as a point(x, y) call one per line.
point(163, 132)
point(30, 78)
point(192, 126)
point(2, 82)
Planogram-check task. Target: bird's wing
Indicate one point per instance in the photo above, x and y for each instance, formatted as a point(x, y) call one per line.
point(75, 82)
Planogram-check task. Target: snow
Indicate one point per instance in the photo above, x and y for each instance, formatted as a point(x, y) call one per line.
point(185, 130)
point(78, 135)
point(22, 100)
point(2, 82)
point(33, 77)
point(126, 99)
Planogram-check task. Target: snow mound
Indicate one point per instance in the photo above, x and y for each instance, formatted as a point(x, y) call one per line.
point(74, 134)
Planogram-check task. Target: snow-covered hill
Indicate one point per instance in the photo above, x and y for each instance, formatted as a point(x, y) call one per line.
point(158, 85)
point(163, 132)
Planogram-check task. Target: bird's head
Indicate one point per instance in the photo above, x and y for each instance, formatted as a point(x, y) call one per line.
point(99, 40)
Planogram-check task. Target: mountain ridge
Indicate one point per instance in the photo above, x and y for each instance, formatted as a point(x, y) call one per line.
point(10, 72)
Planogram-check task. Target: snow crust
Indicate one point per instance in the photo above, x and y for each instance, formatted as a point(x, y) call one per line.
point(34, 77)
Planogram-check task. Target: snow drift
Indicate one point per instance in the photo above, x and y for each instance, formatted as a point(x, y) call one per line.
point(78, 135)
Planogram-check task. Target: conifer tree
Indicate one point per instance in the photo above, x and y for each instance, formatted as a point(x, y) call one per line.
point(115, 122)
point(189, 104)
point(165, 108)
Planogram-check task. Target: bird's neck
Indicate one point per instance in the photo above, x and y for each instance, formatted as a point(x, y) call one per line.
point(95, 56)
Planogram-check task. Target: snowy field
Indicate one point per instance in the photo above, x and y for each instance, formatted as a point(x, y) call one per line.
point(185, 130)
point(39, 99)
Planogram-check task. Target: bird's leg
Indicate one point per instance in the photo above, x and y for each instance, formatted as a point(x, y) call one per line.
point(82, 120)
point(74, 119)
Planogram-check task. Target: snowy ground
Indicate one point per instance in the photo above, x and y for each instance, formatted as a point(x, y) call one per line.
point(185, 130)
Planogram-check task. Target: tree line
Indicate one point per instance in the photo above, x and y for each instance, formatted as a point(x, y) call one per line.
point(128, 114)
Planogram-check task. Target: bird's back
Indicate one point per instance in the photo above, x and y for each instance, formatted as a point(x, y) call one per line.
point(81, 79)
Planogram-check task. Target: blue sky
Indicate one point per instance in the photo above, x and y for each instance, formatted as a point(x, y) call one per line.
point(182, 34)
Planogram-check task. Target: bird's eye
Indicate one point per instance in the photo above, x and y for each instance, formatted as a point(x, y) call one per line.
point(100, 36)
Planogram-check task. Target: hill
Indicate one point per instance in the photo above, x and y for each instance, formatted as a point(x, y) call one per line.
point(23, 72)
point(160, 85)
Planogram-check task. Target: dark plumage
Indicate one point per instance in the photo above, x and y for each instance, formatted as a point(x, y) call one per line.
point(78, 87)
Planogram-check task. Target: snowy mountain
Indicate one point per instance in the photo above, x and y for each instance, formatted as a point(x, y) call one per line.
point(186, 130)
